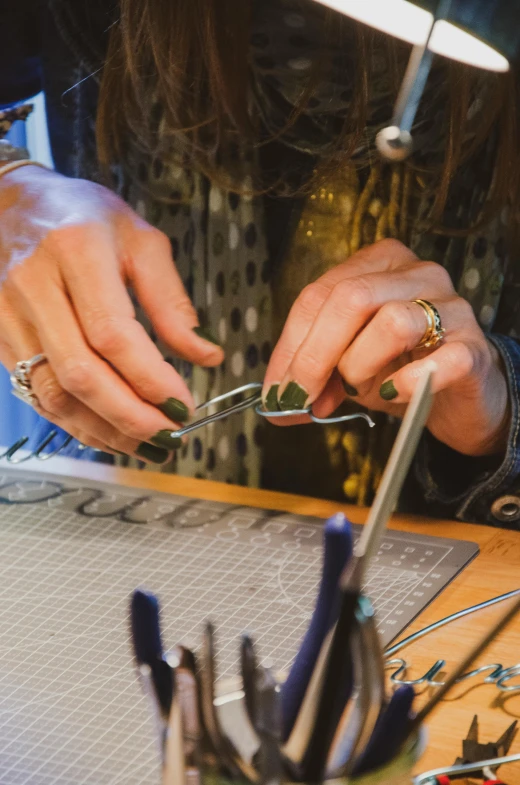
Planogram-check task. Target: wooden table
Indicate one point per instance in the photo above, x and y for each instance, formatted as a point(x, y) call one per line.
point(494, 572)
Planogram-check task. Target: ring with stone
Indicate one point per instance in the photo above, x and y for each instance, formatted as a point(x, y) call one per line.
point(434, 332)
point(21, 379)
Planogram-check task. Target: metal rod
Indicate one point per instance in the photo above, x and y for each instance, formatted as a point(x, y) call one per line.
point(395, 141)
point(412, 87)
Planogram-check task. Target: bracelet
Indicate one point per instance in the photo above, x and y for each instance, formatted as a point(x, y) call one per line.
point(9, 167)
point(12, 115)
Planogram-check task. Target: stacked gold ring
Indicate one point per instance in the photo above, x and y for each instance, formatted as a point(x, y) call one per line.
point(434, 332)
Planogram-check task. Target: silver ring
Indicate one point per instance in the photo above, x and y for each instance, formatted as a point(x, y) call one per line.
point(21, 379)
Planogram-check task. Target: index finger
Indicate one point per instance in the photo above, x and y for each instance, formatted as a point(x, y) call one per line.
point(160, 290)
point(381, 257)
point(88, 377)
point(93, 277)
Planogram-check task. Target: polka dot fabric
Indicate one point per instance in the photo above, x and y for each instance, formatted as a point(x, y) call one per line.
point(219, 249)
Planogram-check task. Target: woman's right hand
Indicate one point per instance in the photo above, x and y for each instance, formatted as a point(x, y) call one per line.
point(68, 250)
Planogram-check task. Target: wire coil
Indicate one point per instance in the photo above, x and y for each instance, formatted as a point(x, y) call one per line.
point(10, 454)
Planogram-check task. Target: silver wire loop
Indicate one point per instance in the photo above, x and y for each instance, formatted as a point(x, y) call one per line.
point(344, 418)
point(289, 413)
point(319, 420)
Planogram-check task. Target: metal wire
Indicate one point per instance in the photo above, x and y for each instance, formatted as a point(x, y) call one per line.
point(499, 676)
point(429, 777)
point(12, 457)
point(320, 420)
point(447, 620)
point(252, 400)
point(255, 400)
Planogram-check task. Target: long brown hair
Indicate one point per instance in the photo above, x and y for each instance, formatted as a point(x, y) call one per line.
point(186, 62)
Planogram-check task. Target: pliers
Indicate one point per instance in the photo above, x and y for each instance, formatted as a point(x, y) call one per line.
point(474, 751)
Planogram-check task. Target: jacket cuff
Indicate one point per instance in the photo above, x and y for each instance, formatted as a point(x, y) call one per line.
point(483, 489)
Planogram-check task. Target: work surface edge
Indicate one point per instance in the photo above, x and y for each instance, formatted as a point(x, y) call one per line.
point(253, 497)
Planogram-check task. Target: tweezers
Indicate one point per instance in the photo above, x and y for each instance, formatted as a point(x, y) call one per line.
point(255, 400)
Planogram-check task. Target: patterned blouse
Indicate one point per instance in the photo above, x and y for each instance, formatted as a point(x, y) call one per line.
point(219, 244)
point(244, 258)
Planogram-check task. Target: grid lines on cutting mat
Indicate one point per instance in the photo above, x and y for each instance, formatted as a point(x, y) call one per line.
point(70, 707)
point(64, 652)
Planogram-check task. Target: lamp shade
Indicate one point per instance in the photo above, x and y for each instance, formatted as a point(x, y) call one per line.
point(484, 33)
point(409, 21)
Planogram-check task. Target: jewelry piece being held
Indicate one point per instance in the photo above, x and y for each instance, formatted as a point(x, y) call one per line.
point(434, 332)
point(21, 379)
point(254, 399)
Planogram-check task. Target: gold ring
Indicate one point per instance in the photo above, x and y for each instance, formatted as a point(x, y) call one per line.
point(434, 332)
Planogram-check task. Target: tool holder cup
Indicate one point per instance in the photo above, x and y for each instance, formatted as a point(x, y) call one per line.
point(229, 731)
point(399, 771)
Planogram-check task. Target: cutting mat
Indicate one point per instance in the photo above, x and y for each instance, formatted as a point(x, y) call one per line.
point(71, 552)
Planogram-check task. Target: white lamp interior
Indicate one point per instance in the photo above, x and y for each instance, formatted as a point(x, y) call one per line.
point(412, 24)
point(399, 18)
point(451, 41)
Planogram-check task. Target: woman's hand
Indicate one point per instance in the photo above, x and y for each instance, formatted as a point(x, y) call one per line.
point(68, 251)
point(357, 324)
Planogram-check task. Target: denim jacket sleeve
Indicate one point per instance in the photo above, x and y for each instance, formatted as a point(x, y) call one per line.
point(483, 490)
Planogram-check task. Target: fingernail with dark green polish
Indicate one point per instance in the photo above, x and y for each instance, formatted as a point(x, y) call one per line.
point(293, 397)
point(205, 332)
point(167, 439)
point(113, 449)
point(151, 453)
point(175, 410)
point(387, 391)
point(349, 389)
point(271, 399)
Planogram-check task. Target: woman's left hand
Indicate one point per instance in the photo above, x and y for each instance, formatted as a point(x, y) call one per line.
point(357, 328)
